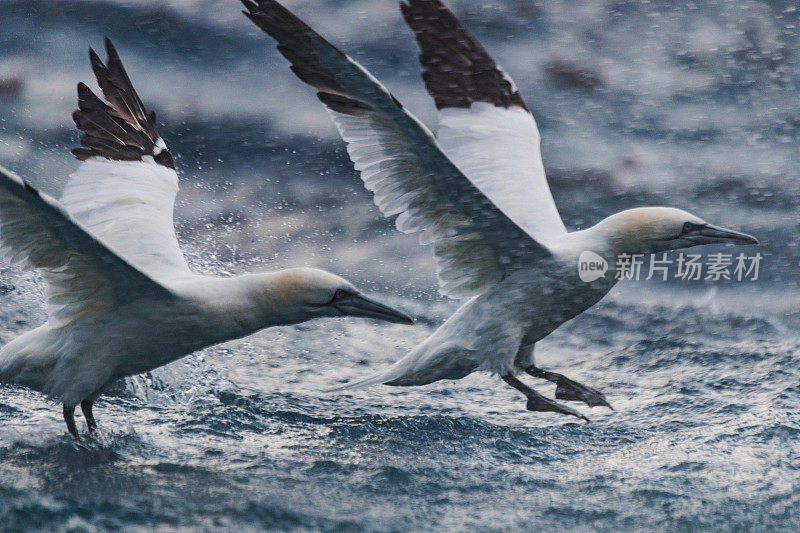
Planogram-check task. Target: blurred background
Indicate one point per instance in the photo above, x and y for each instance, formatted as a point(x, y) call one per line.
point(688, 104)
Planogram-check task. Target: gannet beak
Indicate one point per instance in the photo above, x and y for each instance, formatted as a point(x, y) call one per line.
point(352, 304)
point(709, 234)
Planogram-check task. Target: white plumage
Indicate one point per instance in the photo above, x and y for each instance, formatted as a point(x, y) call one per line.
point(474, 242)
point(479, 195)
point(497, 148)
point(134, 216)
point(121, 298)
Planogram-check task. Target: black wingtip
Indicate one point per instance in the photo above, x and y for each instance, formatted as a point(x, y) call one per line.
point(343, 104)
point(110, 49)
point(86, 97)
point(457, 70)
point(121, 129)
point(95, 61)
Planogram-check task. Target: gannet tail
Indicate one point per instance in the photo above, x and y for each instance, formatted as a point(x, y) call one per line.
point(424, 365)
point(391, 373)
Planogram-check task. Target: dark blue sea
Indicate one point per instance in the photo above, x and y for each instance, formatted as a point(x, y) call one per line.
point(689, 104)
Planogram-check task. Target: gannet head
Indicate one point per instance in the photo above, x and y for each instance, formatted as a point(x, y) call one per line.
point(646, 230)
point(299, 294)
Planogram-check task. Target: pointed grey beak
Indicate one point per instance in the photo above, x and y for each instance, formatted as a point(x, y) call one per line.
point(351, 304)
point(709, 234)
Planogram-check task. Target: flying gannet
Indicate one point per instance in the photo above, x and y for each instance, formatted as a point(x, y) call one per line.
point(121, 298)
point(478, 193)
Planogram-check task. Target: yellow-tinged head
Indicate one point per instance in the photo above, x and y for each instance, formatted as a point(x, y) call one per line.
point(645, 230)
point(298, 294)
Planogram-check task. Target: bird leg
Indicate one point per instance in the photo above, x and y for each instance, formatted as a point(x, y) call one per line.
point(537, 402)
point(86, 408)
point(69, 418)
point(567, 389)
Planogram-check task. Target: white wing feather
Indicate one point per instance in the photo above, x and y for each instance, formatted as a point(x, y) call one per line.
point(475, 243)
point(497, 148)
point(129, 205)
point(84, 276)
point(466, 253)
point(125, 187)
point(485, 127)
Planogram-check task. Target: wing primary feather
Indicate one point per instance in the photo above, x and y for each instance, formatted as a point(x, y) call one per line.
point(124, 190)
point(123, 130)
point(36, 232)
point(484, 126)
point(457, 70)
point(475, 242)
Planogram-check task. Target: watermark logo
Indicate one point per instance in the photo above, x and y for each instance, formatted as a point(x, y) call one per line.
point(690, 267)
point(591, 266)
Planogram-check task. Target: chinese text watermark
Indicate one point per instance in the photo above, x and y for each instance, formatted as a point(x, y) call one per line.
point(684, 266)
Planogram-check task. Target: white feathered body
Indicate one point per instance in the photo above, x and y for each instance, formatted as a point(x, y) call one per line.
point(121, 298)
point(491, 332)
point(77, 361)
point(477, 192)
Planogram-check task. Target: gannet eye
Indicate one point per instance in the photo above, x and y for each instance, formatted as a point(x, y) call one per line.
point(689, 227)
point(338, 295)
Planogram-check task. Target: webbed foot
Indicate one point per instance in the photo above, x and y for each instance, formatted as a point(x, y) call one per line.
point(86, 408)
point(540, 403)
point(537, 402)
point(567, 389)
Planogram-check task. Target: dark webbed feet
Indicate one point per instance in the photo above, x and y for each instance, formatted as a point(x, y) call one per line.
point(567, 389)
point(540, 403)
point(573, 391)
point(86, 408)
point(69, 418)
point(537, 402)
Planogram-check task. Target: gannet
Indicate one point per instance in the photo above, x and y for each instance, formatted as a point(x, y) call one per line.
point(121, 297)
point(477, 192)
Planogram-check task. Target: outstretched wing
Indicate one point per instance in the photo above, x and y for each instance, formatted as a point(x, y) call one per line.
point(485, 127)
point(84, 276)
point(124, 190)
point(475, 243)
